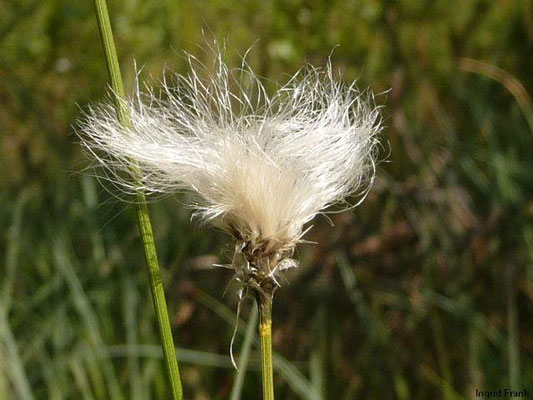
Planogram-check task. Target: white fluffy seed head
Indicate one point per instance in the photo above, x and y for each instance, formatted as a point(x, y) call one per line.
point(261, 166)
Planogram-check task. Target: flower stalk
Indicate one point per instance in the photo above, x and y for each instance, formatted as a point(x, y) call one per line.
point(143, 217)
point(264, 304)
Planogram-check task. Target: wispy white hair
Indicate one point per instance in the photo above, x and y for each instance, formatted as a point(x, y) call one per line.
point(262, 166)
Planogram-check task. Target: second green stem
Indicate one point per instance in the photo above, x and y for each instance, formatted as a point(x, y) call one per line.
point(143, 217)
point(158, 297)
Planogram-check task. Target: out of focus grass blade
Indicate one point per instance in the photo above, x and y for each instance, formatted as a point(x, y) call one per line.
point(442, 355)
point(528, 239)
point(292, 375)
point(436, 380)
point(80, 377)
point(57, 387)
point(43, 293)
point(150, 368)
point(220, 309)
point(319, 353)
point(14, 366)
point(350, 284)
point(13, 249)
point(401, 386)
point(249, 337)
point(513, 345)
point(153, 351)
point(95, 371)
point(87, 314)
point(130, 309)
point(296, 380)
point(475, 372)
point(512, 84)
point(3, 384)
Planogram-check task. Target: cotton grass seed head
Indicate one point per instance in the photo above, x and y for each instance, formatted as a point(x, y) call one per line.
point(261, 166)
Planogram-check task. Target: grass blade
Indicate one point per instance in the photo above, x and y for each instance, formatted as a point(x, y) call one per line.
point(249, 337)
point(86, 312)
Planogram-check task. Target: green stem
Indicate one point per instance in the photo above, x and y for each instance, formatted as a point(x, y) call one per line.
point(143, 217)
point(158, 297)
point(264, 304)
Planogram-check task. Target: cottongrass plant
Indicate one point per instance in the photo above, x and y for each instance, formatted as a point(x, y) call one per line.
point(260, 166)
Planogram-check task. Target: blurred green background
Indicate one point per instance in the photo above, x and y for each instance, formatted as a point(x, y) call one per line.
point(423, 292)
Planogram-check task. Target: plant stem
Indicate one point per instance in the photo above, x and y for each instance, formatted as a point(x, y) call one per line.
point(264, 303)
point(143, 217)
point(158, 297)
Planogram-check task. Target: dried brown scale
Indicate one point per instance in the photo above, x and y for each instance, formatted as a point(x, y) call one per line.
point(259, 268)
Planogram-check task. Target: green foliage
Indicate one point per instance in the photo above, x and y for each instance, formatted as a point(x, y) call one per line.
point(424, 291)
